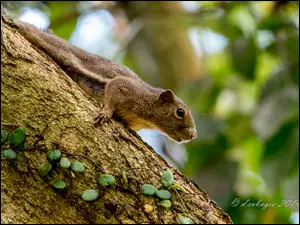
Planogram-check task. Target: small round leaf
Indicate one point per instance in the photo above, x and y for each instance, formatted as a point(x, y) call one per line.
point(184, 220)
point(17, 137)
point(65, 163)
point(77, 167)
point(54, 154)
point(45, 169)
point(148, 189)
point(106, 180)
point(165, 203)
point(90, 195)
point(10, 154)
point(163, 194)
point(167, 178)
point(59, 184)
point(4, 136)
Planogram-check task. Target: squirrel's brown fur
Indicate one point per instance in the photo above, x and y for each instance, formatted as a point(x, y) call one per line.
point(125, 95)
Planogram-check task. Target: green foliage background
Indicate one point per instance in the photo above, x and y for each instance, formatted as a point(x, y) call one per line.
point(245, 99)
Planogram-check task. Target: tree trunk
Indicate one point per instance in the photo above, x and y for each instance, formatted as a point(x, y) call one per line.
point(36, 94)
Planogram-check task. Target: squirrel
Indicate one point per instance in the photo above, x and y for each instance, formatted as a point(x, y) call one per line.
point(125, 96)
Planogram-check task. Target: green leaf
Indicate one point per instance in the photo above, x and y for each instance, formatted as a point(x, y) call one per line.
point(165, 203)
point(4, 136)
point(59, 184)
point(45, 169)
point(163, 194)
point(106, 180)
point(251, 184)
point(267, 65)
point(184, 220)
point(218, 65)
point(274, 22)
point(65, 163)
point(281, 154)
point(53, 155)
point(167, 178)
point(10, 154)
point(239, 127)
point(148, 189)
point(77, 167)
point(292, 49)
point(17, 137)
point(253, 149)
point(90, 195)
point(66, 12)
point(244, 56)
point(239, 17)
point(281, 139)
point(178, 187)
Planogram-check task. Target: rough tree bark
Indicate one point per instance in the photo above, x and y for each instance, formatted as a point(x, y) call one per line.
point(36, 94)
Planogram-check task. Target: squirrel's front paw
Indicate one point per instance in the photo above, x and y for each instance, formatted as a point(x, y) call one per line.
point(103, 117)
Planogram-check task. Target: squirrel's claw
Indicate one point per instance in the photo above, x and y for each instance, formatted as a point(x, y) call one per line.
point(102, 118)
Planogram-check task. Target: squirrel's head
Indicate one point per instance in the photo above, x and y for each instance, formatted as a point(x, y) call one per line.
point(173, 118)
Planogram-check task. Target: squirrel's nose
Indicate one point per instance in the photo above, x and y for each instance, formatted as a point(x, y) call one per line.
point(193, 134)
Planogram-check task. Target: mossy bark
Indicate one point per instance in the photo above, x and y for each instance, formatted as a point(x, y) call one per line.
point(36, 94)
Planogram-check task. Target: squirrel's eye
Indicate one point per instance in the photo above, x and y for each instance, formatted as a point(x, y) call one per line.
point(180, 113)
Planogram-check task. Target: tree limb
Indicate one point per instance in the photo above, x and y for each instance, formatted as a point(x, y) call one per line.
point(37, 95)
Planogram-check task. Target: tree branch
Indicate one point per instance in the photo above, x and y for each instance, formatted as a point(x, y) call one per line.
point(34, 91)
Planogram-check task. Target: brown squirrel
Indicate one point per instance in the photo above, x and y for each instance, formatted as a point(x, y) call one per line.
point(124, 94)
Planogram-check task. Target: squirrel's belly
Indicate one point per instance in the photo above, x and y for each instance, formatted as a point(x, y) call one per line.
point(133, 121)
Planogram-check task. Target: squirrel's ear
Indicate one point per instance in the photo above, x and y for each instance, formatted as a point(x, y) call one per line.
point(166, 96)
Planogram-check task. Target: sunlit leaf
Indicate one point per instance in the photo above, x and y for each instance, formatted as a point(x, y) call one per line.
point(240, 17)
point(251, 184)
point(252, 151)
point(63, 18)
point(218, 65)
point(267, 65)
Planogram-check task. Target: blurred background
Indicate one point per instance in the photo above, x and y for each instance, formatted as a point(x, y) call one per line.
point(235, 64)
